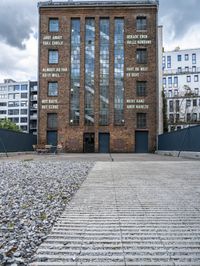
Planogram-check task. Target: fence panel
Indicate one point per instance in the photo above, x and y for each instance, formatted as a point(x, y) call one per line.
point(11, 141)
point(187, 139)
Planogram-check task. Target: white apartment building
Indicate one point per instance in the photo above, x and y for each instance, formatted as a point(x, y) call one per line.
point(18, 102)
point(181, 84)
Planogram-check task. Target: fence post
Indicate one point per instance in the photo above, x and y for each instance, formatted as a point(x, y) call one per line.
point(4, 147)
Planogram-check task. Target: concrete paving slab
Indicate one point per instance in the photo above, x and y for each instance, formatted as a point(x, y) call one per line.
point(140, 212)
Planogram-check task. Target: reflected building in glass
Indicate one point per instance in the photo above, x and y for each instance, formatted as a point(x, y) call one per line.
point(98, 75)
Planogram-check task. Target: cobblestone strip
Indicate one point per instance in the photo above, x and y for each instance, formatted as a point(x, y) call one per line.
point(140, 213)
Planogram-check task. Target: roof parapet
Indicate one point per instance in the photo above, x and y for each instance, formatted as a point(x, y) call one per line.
point(71, 3)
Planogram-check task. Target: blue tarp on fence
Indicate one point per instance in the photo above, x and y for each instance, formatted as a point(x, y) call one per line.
point(11, 141)
point(187, 139)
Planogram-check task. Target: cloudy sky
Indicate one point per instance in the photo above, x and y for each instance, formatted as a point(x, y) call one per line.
point(18, 33)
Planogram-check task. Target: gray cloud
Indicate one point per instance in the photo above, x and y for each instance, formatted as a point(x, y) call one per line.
point(17, 19)
point(182, 14)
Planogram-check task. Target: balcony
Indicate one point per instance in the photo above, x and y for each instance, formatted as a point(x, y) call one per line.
point(33, 107)
point(184, 121)
point(33, 89)
point(34, 98)
point(33, 117)
point(33, 127)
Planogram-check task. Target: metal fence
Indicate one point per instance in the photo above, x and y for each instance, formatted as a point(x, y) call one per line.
point(11, 141)
point(187, 139)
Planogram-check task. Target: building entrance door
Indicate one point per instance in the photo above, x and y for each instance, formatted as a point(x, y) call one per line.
point(52, 139)
point(88, 142)
point(141, 141)
point(104, 142)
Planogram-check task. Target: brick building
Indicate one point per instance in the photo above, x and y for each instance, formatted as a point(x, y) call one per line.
point(98, 75)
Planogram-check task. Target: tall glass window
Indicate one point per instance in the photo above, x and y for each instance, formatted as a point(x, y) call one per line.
point(169, 82)
point(193, 58)
point(171, 106)
point(176, 81)
point(177, 106)
point(75, 72)
point(104, 71)
point(163, 61)
point(164, 82)
point(89, 70)
point(169, 61)
point(179, 57)
point(119, 71)
point(186, 57)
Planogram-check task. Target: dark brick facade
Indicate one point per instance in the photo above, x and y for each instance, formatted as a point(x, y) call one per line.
point(122, 138)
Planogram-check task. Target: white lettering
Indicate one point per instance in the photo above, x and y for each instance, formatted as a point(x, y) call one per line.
point(52, 40)
point(49, 106)
point(137, 106)
point(132, 75)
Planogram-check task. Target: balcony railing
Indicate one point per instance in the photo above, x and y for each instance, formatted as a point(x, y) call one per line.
point(33, 127)
point(34, 98)
point(33, 117)
point(183, 121)
point(181, 72)
point(33, 107)
point(34, 88)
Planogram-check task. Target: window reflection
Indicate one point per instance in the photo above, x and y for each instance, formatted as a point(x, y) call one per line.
point(75, 72)
point(119, 71)
point(104, 71)
point(89, 70)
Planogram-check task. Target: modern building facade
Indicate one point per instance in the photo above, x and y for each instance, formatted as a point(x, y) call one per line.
point(98, 75)
point(16, 103)
point(33, 107)
point(181, 84)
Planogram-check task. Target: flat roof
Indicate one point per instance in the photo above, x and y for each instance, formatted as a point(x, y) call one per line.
point(182, 50)
point(71, 3)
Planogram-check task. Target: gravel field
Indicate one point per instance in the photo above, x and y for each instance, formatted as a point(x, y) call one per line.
point(32, 195)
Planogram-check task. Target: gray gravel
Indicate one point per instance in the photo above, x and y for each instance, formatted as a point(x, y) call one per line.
point(32, 195)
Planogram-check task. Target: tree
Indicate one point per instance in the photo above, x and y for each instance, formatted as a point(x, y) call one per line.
point(185, 115)
point(7, 124)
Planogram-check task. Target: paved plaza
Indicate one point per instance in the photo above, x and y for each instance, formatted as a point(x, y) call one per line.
point(130, 212)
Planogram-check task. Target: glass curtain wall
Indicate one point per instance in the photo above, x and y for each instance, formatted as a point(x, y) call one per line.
point(75, 72)
point(119, 71)
point(104, 71)
point(89, 70)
